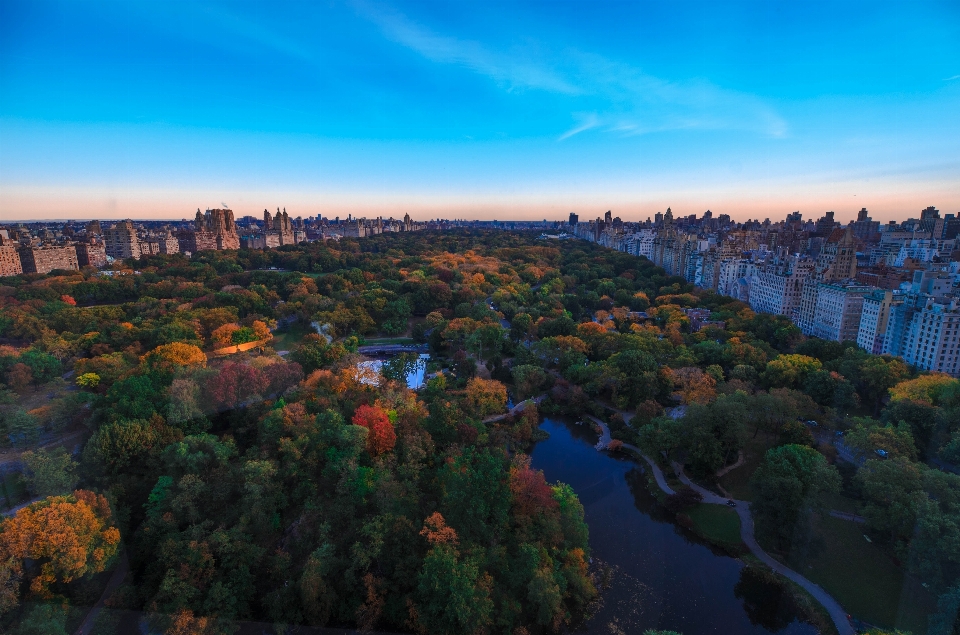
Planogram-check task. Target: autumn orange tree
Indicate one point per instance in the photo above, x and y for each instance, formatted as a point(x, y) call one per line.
point(222, 336)
point(694, 385)
point(68, 536)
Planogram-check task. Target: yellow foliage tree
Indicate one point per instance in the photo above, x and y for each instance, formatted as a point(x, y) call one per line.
point(925, 389)
point(70, 535)
point(170, 356)
point(486, 396)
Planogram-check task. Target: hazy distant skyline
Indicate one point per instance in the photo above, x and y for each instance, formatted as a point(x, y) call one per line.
point(479, 110)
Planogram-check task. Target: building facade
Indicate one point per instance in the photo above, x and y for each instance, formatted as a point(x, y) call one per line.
point(874, 318)
point(92, 254)
point(46, 258)
point(121, 240)
point(9, 258)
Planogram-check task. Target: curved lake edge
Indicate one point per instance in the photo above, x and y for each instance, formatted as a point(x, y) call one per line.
point(708, 608)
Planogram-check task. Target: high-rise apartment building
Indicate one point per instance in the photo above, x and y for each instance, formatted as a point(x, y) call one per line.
point(777, 286)
point(933, 336)
point(874, 318)
point(121, 240)
point(279, 230)
point(92, 253)
point(213, 229)
point(9, 258)
point(837, 313)
point(168, 243)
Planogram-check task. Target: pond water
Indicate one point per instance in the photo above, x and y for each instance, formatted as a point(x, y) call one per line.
point(414, 372)
point(664, 577)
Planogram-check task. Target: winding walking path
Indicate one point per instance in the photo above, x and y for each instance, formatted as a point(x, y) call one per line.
point(119, 574)
point(516, 409)
point(836, 612)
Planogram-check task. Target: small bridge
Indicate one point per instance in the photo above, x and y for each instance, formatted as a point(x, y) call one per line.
point(391, 349)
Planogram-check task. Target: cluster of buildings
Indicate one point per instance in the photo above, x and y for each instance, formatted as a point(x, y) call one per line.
point(892, 288)
point(42, 247)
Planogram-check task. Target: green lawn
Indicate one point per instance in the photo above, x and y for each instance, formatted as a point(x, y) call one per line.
point(866, 582)
point(372, 341)
point(288, 339)
point(718, 523)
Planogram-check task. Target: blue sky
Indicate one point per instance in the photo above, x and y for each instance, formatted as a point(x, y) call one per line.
point(479, 110)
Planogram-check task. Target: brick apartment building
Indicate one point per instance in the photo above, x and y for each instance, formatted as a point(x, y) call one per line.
point(9, 258)
point(46, 258)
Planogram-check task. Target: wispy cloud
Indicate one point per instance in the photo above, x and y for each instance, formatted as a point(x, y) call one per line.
point(588, 122)
point(623, 99)
point(506, 69)
point(950, 79)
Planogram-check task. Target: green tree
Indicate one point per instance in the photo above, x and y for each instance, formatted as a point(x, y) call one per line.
point(787, 487)
point(50, 472)
point(44, 365)
point(892, 490)
point(789, 371)
point(946, 621)
point(521, 326)
point(712, 434)
point(19, 427)
point(453, 596)
point(528, 379)
point(487, 341)
point(44, 619)
point(868, 435)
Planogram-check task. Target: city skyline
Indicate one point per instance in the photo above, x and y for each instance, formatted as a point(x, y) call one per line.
point(519, 111)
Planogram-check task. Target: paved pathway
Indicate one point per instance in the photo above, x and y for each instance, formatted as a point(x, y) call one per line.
point(836, 612)
point(517, 408)
point(726, 470)
point(847, 516)
point(123, 567)
point(13, 510)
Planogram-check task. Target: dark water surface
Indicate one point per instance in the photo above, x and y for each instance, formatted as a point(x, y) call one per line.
point(665, 578)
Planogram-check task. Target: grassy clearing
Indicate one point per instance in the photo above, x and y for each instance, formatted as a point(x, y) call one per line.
point(716, 523)
point(287, 339)
point(864, 579)
point(841, 503)
point(373, 341)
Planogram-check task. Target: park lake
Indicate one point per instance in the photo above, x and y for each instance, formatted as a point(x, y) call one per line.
point(662, 576)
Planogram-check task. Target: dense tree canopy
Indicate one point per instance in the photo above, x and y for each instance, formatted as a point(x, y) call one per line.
point(293, 484)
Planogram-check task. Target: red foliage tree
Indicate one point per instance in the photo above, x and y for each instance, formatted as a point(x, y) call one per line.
point(282, 375)
point(235, 384)
point(529, 489)
point(382, 437)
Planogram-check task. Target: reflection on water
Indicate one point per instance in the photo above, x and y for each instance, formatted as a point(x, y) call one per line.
point(410, 366)
point(663, 577)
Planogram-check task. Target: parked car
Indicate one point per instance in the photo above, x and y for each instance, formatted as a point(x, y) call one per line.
point(731, 502)
point(881, 453)
point(811, 423)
